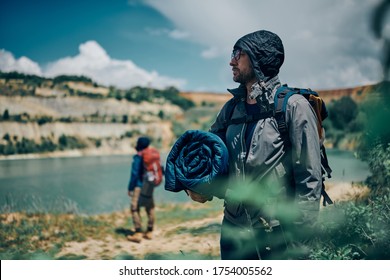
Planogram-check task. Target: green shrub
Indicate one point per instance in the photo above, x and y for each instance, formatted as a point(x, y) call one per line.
point(343, 111)
point(47, 145)
point(6, 115)
point(171, 94)
point(44, 119)
point(71, 78)
point(70, 142)
point(355, 230)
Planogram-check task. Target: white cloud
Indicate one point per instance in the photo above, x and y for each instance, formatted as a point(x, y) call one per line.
point(326, 42)
point(178, 34)
point(174, 33)
point(8, 63)
point(209, 23)
point(212, 52)
point(94, 62)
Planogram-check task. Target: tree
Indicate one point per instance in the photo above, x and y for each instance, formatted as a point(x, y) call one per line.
point(161, 114)
point(6, 115)
point(343, 111)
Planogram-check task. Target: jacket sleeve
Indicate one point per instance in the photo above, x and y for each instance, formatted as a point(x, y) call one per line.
point(306, 158)
point(136, 173)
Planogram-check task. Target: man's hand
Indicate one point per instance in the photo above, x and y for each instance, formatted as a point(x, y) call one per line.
point(201, 198)
point(130, 193)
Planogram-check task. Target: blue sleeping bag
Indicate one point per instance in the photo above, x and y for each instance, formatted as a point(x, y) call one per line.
point(198, 161)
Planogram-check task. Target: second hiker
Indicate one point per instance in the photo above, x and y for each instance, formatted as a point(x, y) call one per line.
point(146, 174)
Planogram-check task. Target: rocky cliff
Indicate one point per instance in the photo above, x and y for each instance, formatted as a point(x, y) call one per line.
point(45, 117)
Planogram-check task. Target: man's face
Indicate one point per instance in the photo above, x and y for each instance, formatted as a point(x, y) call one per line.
point(242, 68)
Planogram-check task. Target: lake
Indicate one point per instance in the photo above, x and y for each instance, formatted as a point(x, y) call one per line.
point(94, 185)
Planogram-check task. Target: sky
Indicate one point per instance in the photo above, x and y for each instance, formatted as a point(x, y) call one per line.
point(187, 43)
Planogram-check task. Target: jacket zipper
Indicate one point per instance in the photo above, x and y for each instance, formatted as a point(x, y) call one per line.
point(243, 150)
point(243, 161)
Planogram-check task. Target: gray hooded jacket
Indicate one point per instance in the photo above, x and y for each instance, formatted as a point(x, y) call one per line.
point(266, 174)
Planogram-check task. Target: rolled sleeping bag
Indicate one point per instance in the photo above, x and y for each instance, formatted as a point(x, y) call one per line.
point(198, 161)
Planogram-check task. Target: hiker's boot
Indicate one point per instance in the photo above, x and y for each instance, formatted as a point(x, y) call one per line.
point(136, 237)
point(148, 235)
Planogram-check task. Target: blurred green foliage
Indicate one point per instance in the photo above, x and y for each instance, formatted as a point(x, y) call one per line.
point(343, 112)
point(354, 230)
point(170, 94)
point(361, 229)
point(46, 144)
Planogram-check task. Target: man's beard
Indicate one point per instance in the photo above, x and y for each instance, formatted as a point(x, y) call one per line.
point(244, 77)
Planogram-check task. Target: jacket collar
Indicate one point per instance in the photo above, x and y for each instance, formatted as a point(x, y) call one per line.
point(270, 87)
point(239, 92)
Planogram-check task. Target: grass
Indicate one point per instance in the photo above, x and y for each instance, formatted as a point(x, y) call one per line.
point(30, 236)
point(349, 230)
point(43, 236)
point(178, 213)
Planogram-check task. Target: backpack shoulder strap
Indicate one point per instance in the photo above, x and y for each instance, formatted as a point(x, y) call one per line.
point(280, 101)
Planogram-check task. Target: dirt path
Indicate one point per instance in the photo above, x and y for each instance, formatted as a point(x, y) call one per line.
point(179, 240)
point(346, 191)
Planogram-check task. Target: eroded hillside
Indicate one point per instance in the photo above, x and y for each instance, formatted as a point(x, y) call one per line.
point(41, 116)
point(74, 115)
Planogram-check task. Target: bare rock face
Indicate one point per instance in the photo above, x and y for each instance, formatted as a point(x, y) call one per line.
point(115, 124)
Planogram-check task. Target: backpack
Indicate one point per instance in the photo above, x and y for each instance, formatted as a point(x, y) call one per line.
point(279, 112)
point(152, 165)
point(280, 101)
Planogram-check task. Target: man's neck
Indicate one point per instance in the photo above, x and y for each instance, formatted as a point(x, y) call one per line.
point(250, 101)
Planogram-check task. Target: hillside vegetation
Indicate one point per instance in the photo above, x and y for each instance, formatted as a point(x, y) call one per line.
point(40, 115)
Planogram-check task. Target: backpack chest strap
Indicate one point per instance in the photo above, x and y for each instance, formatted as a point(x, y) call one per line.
point(250, 118)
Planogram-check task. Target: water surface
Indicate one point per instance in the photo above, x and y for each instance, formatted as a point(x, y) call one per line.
point(99, 184)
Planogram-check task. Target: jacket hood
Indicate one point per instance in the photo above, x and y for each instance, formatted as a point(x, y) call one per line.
point(266, 52)
point(142, 143)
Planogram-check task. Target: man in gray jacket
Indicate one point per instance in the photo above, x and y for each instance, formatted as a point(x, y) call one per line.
point(274, 187)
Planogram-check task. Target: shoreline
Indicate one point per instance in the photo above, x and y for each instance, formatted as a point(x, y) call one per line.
point(72, 154)
point(61, 154)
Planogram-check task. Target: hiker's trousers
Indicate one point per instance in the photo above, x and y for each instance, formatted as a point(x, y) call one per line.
point(244, 243)
point(139, 200)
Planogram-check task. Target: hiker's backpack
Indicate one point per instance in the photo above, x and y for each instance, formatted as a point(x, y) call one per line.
point(281, 97)
point(152, 165)
point(279, 112)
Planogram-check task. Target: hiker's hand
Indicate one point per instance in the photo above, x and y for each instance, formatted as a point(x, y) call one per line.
point(130, 193)
point(198, 197)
